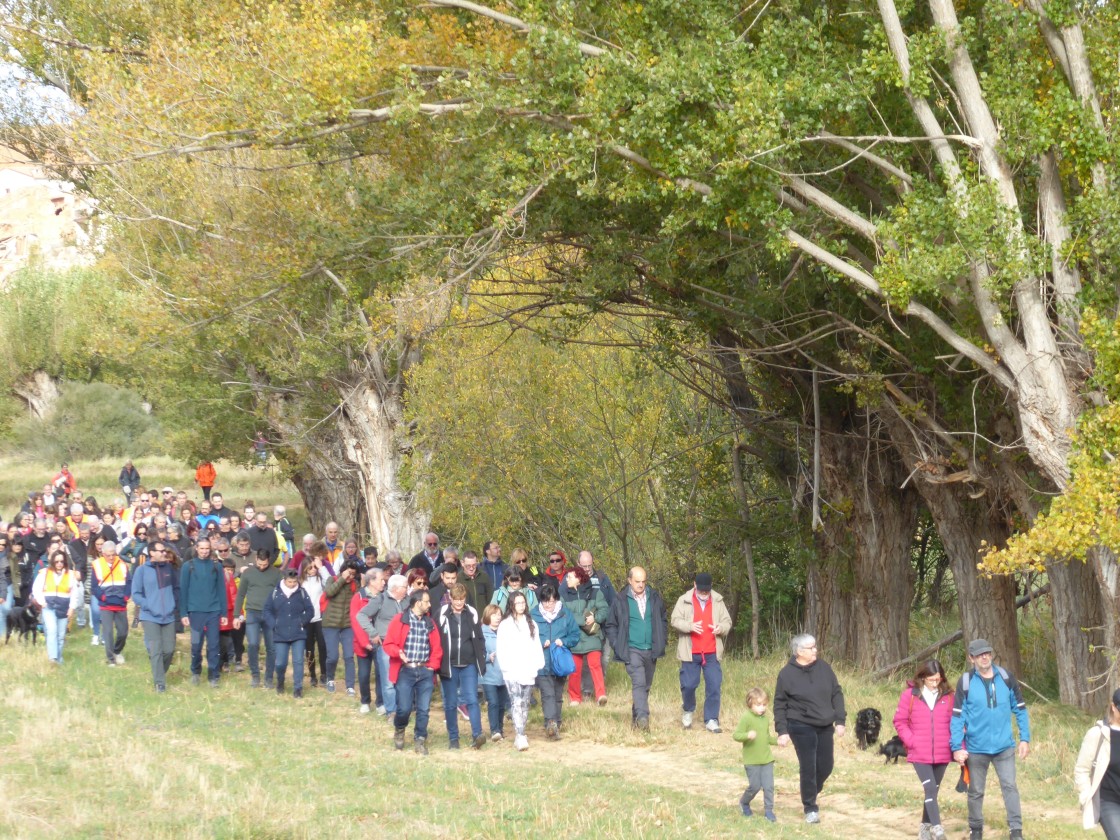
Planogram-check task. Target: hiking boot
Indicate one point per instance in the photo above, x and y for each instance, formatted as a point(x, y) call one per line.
point(255, 682)
point(214, 682)
point(686, 720)
point(642, 724)
point(976, 834)
point(746, 809)
point(1016, 834)
point(420, 746)
point(602, 701)
point(713, 726)
point(279, 683)
point(297, 693)
point(479, 742)
point(238, 667)
point(398, 737)
point(314, 682)
point(924, 832)
point(812, 818)
point(552, 730)
point(936, 832)
point(269, 685)
point(453, 744)
point(770, 816)
point(194, 679)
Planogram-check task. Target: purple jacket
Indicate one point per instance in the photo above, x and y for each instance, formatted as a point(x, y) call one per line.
point(924, 731)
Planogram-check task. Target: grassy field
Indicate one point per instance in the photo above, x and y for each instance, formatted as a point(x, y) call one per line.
point(92, 752)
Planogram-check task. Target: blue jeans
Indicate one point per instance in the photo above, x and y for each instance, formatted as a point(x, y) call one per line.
point(365, 670)
point(497, 704)
point(297, 648)
point(205, 626)
point(5, 608)
point(708, 665)
point(254, 629)
point(55, 627)
point(1110, 820)
point(461, 688)
point(414, 690)
point(95, 616)
point(388, 690)
point(336, 636)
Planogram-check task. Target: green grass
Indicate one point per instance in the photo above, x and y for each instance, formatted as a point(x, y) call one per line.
point(92, 752)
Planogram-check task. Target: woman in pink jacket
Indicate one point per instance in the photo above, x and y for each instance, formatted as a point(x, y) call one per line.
point(922, 722)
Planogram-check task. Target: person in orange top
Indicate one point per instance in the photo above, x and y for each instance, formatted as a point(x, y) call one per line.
point(205, 477)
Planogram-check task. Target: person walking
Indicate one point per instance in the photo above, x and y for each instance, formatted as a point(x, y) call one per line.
point(205, 476)
point(703, 622)
point(493, 685)
point(590, 609)
point(415, 652)
point(203, 592)
point(925, 708)
point(286, 613)
point(809, 710)
point(257, 583)
point(56, 591)
point(637, 630)
point(374, 619)
point(112, 586)
point(556, 628)
point(753, 732)
point(464, 659)
point(155, 591)
point(521, 658)
point(129, 481)
point(986, 699)
point(1097, 774)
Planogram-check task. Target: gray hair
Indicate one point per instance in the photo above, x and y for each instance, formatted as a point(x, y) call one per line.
point(309, 538)
point(108, 545)
point(369, 576)
point(393, 554)
point(801, 640)
point(279, 510)
point(76, 508)
point(397, 582)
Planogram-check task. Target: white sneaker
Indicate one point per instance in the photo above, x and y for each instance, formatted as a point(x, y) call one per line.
point(118, 659)
point(380, 710)
point(95, 641)
point(521, 742)
point(686, 720)
point(712, 726)
point(365, 709)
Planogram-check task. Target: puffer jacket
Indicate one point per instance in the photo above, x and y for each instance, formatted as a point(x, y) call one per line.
point(924, 731)
point(338, 592)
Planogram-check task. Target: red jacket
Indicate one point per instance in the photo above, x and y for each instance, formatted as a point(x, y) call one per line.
point(231, 597)
point(394, 644)
point(924, 731)
point(361, 637)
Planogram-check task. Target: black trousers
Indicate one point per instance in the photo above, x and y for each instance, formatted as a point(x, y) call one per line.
point(813, 745)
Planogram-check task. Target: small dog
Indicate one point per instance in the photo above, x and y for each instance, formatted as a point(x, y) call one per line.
point(24, 621)
point(868, 724)
point(893, 750)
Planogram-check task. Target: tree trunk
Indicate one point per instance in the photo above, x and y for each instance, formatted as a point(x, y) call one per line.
point(1079, 628)
point(860, 592)
point(987, 605)
point(38, 391)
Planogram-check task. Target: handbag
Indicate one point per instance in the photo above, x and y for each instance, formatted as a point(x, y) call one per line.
point(561, 660)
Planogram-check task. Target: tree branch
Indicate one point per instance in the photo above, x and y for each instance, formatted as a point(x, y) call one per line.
point(508, 20)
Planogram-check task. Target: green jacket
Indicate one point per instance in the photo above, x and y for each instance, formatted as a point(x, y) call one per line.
point(579, 603)
point(757, 751)
point(255, 587)
point(339, 593)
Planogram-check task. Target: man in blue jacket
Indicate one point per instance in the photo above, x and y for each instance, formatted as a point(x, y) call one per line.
point(155, 591)
point(980, 735)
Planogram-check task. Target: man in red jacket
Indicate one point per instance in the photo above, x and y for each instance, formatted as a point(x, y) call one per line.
point(415, 652)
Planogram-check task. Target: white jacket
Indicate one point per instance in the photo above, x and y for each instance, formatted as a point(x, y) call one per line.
point(1092, 763)
point(520, 655)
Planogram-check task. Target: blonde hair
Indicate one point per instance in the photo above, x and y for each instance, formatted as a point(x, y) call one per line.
point(489, 612)
point(518, 554)
point(757, 695)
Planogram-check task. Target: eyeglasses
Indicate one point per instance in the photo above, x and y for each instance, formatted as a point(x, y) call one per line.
point(223, 551)
point(521, 562)
point(555, 559)
point(431, 545)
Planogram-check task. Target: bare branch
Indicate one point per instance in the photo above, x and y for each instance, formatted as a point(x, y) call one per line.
point(508, 20)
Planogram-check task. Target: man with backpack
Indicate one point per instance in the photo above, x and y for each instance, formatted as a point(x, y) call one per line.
point(986, 698)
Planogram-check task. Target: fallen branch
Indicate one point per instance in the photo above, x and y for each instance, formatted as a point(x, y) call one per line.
point(956, 636)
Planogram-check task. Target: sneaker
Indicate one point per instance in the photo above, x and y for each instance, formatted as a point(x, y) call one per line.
point(349, 692)
point(364, 709)
point(746, 809)
point(95, 641)
point(214, 682)
point(279, 685)
point(686, 720)
point(238, 667)
point(573, 702)
point(521, 742)
point(496, 736)
point(976, 834)
point(380, 710)
point(118, 659)
point(194, 679)
point(420, 746)
point(255, 682)
point(924, 832)
point(479, 742)
point(770, 816)
point(160, 689)
point(602, 701)
point(1016, 834)
point(552, 730)
point(812, 818)
point(463, 713)
point(713, 726)
point(453, 745)
point(111, 664)
point(936, 832)
point(330, 686)
point(642, 724)
point(269, 685)
point(298, 693)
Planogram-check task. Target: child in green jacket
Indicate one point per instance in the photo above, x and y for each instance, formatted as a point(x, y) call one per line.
point(754, 733)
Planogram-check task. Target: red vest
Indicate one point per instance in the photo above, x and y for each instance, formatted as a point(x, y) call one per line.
point(704, 641)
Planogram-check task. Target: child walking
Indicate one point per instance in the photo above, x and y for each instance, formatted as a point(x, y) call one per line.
point(754, 733)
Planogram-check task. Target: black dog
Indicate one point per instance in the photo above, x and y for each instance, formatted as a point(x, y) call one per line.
point(24, 622)
point(893, 750)
point(868, 724)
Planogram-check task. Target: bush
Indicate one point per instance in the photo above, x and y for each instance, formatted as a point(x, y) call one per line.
point(93, 420)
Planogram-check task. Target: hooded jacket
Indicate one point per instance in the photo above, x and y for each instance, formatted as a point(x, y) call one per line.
point(924, 731)
point(155, 589)
point(807, 694)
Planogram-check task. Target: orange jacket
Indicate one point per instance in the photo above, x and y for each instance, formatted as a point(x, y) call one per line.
point(205, 475)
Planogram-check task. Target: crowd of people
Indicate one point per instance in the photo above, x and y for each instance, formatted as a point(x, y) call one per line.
point(478, 629)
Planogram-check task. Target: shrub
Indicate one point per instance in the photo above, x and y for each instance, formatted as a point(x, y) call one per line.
point(92, 420)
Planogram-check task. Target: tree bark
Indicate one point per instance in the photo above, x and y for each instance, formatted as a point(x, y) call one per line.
point(38, 391)
point(860, 590)
point(1079, 622)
